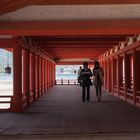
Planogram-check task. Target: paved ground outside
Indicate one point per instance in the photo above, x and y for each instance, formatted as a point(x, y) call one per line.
point(61, 114)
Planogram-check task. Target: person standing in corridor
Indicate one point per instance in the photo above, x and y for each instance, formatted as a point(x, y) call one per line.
point(86, 82)
point(98, 79)
point(79, 77)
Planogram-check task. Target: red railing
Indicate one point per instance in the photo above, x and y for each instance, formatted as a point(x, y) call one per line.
point(6, 102)
point(66, 82)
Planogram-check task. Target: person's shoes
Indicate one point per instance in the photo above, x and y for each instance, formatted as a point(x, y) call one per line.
point(83, 100)
point(99, 99)
point(87, 100)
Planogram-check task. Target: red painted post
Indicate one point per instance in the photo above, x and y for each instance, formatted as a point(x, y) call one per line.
point(36, 76)
point(44, 75)
point(109, 76)
point(118, 75)
point(54, 74)
point(105, 74)
point(17, 96)
point(103, 71)
point(47, 73)
point(40, 76)
point(126, 74)
point(51, 74)
point(26, 79)
point(112, 74)
point(43, 89)
point(137, 78)
point(134, 76)
point(32, 77)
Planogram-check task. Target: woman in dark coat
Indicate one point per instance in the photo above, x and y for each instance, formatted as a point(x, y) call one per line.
point(86, 81)
point(98, 79)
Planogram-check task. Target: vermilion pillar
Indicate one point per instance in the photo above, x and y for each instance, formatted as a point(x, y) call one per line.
point(105, 76)
point(40, 73)
point(46, 75)
point(41, 90)
point(115, 85)
point(134, 76)
point(50, 74)
point(118, 74)
point(112, 75)
point(36, 76)
point(43, 69)
point(17, 96)
point(137, 78)
point(121, 76)
point(39, 76)
point(109, 75)
point(126, 74)
point(54, 70)
point(26, 82)
point(32, 77)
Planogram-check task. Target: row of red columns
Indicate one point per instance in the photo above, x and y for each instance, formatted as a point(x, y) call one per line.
point(34, 75)
point(121, 71)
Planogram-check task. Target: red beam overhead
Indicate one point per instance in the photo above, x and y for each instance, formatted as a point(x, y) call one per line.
point(53, 28)
point(73, 63)
point(7, 43)
point(78, 46)
point(78, 43)
point(76, 49)
point(95, 38)
point(53, 44)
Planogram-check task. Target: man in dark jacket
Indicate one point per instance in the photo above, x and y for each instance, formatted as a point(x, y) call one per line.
point(86, 81)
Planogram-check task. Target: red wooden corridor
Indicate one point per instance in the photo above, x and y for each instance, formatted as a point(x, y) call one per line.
point(33, 43)
point(42, 34)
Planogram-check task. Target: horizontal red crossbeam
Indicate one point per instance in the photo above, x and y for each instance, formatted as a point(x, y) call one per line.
point(96, 27)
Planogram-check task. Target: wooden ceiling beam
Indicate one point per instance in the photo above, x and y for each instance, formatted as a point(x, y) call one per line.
point(7, 43)
point(77, 50)
point(77, 46)
point(79, 43)
point(97, 27)
point(78, 39)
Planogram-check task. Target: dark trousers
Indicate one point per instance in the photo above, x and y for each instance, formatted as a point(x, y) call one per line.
point(84, 95)
point(98, 91)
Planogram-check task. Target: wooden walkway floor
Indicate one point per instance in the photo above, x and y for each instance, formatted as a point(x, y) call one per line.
point(62, 112)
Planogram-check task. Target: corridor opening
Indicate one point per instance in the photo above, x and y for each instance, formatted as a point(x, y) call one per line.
point(67, 74)
point(6, 78)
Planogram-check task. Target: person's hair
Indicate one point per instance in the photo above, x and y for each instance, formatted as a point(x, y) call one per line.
point(96, 63)
point(85, 63)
